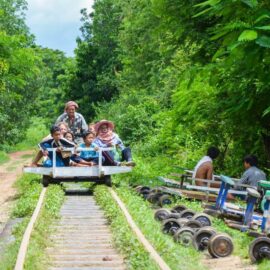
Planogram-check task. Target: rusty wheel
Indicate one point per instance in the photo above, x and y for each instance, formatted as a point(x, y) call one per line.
point(220, 245)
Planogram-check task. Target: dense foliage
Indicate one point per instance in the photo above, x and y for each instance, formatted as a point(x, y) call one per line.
point(186, 75)
point(30, 76)
point(176, 76)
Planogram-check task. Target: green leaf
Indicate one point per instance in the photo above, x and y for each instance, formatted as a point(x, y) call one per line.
point(263, 41)
point(207, 3)
point(202, 12)
point(248, 35)
point(262, 17)
point(265, 27)
point(250, 3)
point(267, 111)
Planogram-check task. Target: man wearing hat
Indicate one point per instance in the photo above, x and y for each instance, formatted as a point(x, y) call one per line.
point(74, 120)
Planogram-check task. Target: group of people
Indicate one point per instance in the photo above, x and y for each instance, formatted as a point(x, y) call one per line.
point(251, 176)
point(71, 131)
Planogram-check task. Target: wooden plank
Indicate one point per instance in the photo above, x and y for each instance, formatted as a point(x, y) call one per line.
point(27, 233)
point(153, 253)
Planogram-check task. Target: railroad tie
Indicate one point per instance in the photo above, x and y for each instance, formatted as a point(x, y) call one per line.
point(82, 238)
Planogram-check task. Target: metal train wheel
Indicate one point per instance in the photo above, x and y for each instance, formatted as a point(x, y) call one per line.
point(170, 225)
point(259, 249)
point(138, 188)
point(46, 180)
point(188, 213)
point(203, 219)
point(220, 245)
point(194, 224)
point(184, 236)
point(108, 180)
point(164, 199)
point(162, 214)
point(201, 238)
point(154, 197)
point(144, 188)
point(178, 209)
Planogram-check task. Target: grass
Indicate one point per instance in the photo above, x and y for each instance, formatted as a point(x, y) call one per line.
point(34, 135)
point(145, 173)
point(125, 240)
point(174, 254)
point(3, 157)
point(29, 190)
point(36, 255)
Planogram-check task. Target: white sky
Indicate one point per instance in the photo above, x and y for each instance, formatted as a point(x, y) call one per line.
point(56, 23)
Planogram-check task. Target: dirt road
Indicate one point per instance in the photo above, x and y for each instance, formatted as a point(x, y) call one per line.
point(9, 172)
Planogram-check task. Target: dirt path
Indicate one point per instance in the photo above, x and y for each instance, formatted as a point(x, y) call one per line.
point(9, 172)
point(228, 263)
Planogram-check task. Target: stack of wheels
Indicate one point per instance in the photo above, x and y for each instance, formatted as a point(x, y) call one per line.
point(194, 229)
point(155, 195)
point(259, 249)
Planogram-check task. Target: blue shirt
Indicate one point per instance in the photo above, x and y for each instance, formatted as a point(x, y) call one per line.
point(88, 153)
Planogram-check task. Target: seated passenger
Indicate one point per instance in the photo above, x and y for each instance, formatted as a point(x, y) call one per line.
point(91, 127)
point(75, 121)
point(86, 158)
point(63, 129)
point(56, 142)
point(107, 138)
point(69, 136)
point(204, 168)
point(253, 174)
point(89, 157)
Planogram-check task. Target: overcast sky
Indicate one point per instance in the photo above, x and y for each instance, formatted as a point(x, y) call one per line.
point(56, 23)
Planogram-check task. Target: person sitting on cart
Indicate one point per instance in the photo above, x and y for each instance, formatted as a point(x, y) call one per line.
point(63, 129)
point(107, 138)
point(204, 168)
point(75, 121)
point(88, 157)
point(252, 174)
point(69, 136)
point(91, 127)
point(57, 141)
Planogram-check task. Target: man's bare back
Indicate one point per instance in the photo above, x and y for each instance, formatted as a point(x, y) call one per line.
point(205, 171)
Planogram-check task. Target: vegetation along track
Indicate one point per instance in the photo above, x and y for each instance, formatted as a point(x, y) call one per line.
point(81, 237)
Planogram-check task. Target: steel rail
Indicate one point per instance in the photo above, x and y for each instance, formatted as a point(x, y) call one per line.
point(27, 234)
point(153, 253)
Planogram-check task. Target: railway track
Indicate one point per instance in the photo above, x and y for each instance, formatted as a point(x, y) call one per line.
point(82, 239)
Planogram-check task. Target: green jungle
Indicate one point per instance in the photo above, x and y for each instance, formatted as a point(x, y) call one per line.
point(175, 76)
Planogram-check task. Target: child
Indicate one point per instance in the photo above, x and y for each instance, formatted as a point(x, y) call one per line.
point(89, 156)
point(69, 136)
point(56, 142)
